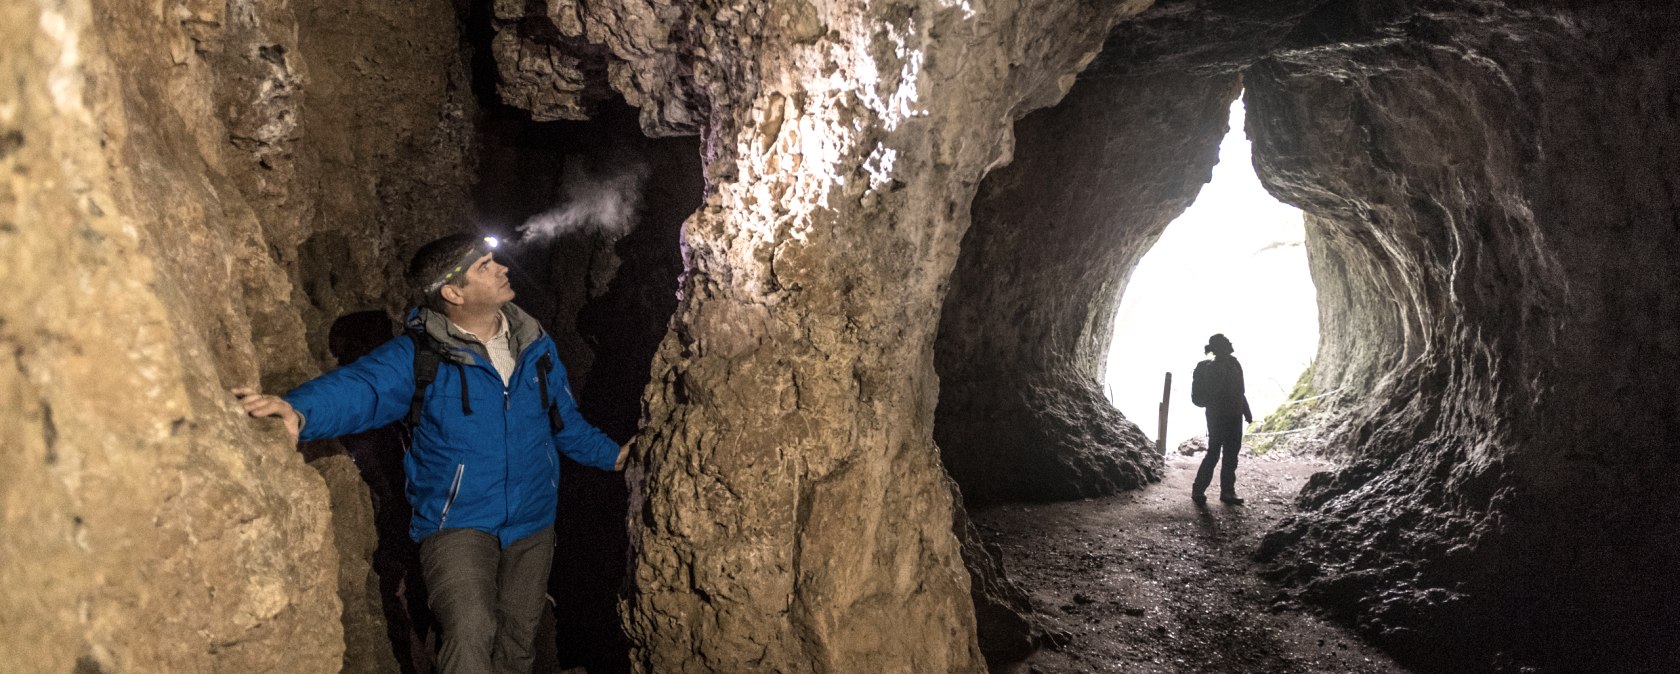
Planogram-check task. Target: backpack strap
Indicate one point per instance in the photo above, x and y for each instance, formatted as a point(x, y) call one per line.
point(461, 374)
point(544, 366)
point(426, 358)
point(1199, 385)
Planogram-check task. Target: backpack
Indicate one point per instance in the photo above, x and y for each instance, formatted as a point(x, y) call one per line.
point(428, 354)
point(1199, 394)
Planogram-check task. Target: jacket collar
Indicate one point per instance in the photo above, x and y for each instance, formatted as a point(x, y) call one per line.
point(523, 329)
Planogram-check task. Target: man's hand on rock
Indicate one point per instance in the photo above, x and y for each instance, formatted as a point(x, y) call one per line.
point(258, 405)
point(623, 454)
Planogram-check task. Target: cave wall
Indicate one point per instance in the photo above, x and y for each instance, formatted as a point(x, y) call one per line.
point(1491, 190)
point(166, 171)
point(1024, 334)
point(789, 509)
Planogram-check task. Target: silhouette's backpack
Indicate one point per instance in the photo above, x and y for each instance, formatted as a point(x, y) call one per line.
point(1199, 385)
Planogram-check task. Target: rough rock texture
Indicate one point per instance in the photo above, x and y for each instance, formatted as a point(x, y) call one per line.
point(550, 56)
point(163, 168)
point(366, 646)
point(1023, 339)
point(156, 530)
point(1492, 198)
point(544, 63)
point(1004, 621)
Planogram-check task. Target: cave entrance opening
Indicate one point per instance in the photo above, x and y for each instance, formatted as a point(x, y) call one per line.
point(1234, 262)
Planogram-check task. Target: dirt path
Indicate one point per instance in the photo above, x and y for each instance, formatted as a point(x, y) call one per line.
point(1150, 582)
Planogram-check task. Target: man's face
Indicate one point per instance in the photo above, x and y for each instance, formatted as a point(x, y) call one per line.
point(486, 284)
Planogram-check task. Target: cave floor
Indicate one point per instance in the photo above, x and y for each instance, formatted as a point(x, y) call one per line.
point(1147, 581)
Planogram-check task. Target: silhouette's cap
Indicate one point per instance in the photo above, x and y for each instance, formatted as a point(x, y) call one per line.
point(1217, 343)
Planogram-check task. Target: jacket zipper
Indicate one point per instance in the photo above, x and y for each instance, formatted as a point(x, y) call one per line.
point(454, 490)
point(507, 468)
point(507, 406)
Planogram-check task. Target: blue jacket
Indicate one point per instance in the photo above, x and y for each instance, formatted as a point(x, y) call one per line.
point(494, 470)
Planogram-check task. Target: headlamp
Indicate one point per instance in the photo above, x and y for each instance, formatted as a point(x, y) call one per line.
point(483, 247)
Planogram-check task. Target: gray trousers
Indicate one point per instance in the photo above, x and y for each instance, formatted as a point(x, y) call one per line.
point(487, 599)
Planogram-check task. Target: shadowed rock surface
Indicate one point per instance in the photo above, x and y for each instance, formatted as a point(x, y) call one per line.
point(1026, 325)
point(1024, 335)
point(1491, 197)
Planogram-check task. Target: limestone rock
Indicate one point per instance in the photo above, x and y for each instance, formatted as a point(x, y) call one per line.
point(1003, 613)
point(559, 60)
point(549, 82)
point(160, 174)
point(1491, 229)
point(366, 648)
point(787, 498)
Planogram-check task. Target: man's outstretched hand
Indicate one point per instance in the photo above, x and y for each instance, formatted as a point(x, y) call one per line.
point(623, 453)
point(258, 405)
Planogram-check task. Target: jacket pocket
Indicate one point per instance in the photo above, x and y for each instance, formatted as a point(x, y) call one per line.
point(454, 491)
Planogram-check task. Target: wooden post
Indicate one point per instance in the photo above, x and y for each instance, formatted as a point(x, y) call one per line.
point(1166, 398)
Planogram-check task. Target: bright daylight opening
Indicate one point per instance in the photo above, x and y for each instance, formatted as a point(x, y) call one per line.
point(1235, 263)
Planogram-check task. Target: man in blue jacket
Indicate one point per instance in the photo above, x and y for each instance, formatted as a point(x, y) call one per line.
point(482, 470)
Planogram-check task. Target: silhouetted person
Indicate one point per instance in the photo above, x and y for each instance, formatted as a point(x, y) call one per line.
point(1218, 386)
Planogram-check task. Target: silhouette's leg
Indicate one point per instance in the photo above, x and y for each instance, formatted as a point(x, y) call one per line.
point(1204, 474)
point(1228, 471)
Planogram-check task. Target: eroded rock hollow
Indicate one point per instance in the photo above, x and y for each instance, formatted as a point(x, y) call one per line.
point(1024, 334)
point(1491, 198)
point(861, 241)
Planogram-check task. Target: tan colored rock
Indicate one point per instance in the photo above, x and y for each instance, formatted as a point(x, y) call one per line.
point(161, 169)
point(790, 512)
point(155, 529)
point(541, 78)
point(1004, 621)
point(366, 647)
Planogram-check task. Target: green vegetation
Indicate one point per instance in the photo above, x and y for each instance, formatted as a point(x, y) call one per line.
point(1292, 415)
